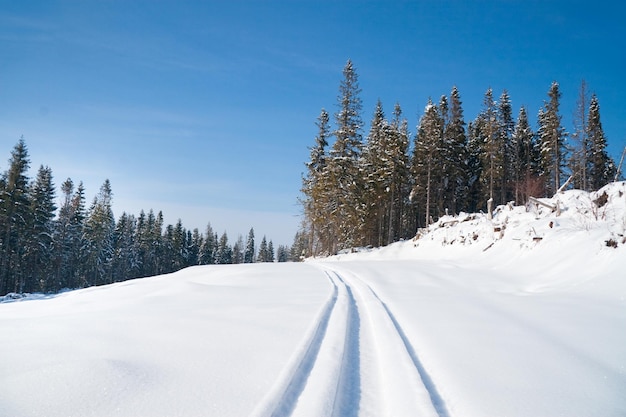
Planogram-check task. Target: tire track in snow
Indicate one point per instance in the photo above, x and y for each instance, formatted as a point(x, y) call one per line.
point(356, 361)
point(404, 387)
point(321, 379)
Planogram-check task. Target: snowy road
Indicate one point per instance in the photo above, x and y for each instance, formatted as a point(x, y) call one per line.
point(357, 362)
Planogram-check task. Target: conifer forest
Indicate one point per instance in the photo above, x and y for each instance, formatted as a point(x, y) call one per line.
point(374, 185)
point(45, 248)
point(363, 186)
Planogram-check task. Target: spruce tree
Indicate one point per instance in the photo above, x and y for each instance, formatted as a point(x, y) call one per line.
point(346, 208)
point(224, 252)
point(552, 141)
point(270, 251)
point(317, 191)
point(39, 245)
point(456, 154)
point(506, 125)
point(525, 160)
point(492, 150)
point(99, 232)
point(263, 255)
point(125, 263)
point(238, 251)
point(248, 256)
point(601, 166)
point(14, 219)
point(209, 247)
point(426, 163)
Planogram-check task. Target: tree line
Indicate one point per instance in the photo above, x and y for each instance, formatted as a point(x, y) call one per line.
point(45, 248)
point(381, 188)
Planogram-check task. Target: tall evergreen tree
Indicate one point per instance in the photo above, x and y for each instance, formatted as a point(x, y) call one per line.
point(492, 147)
point(602, 168)
point(426, 163)
point(344, 178)
point(209, 247)
point(456, 154)
point(317, 191)
point(39, 245)
point(248, 255)
point(525, 160)
point(506, 126)
point(125, 263)
point(263, 255)
point(99, 232)
point(283, 253)
point(270, 251)
point(14, 218)
point(224, 252)
point(238, 251)
point(552, 140)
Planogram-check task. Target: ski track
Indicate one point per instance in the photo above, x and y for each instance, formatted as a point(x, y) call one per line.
point(356, 361)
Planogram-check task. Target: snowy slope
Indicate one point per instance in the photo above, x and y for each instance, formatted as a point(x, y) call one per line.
point(522, 315)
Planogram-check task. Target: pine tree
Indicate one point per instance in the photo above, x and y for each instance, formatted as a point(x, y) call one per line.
point(224, 253)
point(270, 251)
point(300, 245)
point(602, 168)
point(125, 263)
point(248, 256)
point(263, 255)
point(506, 126)
point(196, 241)
point(99, 232)
point(401, 217)
point(475, 141)
point(39, 245)
point(426, 164)
point(456, 154)
point(525, 160)
point(317, 191)
point(283, 253)
point(238, 251)
point(492, 147)
point(378, 172)
point(552, 141)
point(209, 247)
point(346, 208)
point(14, 215)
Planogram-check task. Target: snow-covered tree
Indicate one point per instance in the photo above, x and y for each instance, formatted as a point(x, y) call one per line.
point(99, 232)
point(224, 252)
point(601, 166)
point(552, 140)
point(14, 218)
point(39, 247)
point(426, 163)
point(248, 256)
point(346, 208)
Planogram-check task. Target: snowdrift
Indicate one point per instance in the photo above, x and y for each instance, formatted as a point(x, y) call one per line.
point(520, 315)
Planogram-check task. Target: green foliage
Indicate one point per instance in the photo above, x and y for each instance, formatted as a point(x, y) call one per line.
point(80, 247)
point(373, 193)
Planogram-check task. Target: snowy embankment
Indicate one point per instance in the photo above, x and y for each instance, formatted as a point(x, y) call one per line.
point(522, 315)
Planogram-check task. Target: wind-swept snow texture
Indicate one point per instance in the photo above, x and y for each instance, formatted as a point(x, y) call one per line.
point(522, 315)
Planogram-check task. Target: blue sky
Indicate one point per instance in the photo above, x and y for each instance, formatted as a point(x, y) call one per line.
point(205, 109)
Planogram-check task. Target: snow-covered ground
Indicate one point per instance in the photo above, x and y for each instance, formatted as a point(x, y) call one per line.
point(522, 315)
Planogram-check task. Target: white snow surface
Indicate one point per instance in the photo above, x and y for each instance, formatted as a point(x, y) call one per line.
point(521, 315)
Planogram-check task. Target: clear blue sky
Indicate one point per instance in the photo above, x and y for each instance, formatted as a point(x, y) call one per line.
point(205, 109)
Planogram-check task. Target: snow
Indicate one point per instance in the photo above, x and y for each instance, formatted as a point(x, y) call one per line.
point(522, 315)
